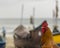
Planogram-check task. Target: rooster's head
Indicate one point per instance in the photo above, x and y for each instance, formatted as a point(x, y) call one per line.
point(44, 26)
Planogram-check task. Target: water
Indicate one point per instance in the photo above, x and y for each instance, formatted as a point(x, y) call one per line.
point(26, 21)
point(11, 24)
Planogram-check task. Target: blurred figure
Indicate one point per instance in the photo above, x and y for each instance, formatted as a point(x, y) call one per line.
point(3, 31)
point(32, 21)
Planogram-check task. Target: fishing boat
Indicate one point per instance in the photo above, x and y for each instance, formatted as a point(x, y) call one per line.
point(24, 38)
point(56, 32)
point(2, 39)
point(2, 42)
point(22, 35)
point(19, 35)
point(56, 37)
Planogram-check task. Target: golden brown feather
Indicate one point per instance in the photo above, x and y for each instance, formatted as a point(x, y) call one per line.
point(47, 39)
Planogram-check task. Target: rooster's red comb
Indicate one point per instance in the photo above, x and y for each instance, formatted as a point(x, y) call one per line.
point(44, 24)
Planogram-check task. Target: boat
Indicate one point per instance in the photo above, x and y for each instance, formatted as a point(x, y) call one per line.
point(56, 32)
point(56, 37)
point(27, 40)
point(2, 42)
point(21, 36)
point(24, 38)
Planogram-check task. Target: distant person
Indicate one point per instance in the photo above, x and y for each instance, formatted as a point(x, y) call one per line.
point(32, 21)
point(4, 31)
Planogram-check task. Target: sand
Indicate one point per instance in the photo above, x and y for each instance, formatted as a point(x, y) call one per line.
point(9, 42)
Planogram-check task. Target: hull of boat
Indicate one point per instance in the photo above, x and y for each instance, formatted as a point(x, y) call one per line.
point(57, 39)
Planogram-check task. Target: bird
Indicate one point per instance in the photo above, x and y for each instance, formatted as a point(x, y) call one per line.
point(47, 37)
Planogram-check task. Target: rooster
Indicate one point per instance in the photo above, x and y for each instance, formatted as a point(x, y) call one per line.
point(47, 37)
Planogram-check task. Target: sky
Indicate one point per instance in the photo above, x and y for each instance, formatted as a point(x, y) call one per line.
point(13, 8)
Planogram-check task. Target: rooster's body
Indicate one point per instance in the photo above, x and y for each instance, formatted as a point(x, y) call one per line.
point(47, 37)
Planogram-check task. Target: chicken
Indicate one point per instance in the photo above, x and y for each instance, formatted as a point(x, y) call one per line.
point(47, 37)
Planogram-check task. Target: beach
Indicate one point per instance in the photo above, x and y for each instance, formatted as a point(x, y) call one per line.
point(9, 42)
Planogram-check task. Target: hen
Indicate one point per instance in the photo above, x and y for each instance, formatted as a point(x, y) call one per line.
point(47, 37)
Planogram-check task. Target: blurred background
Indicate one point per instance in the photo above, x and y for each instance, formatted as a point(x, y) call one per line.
point(10, 13)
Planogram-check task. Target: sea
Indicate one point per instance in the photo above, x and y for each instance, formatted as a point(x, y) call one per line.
point(11, 23)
